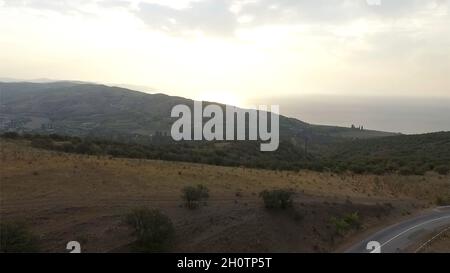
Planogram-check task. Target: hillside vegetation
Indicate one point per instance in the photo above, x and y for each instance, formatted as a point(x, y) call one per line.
point(61, 197)
point(405, 155)
point(96, 119)
point(118, 114)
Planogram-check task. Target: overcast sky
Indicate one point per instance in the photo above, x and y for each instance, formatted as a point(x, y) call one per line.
point(230, 50)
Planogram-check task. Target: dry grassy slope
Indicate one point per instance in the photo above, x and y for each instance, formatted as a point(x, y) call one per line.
point(76, 197)
point(439, 242)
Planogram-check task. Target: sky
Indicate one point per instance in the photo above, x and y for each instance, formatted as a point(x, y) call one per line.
point(234, 51)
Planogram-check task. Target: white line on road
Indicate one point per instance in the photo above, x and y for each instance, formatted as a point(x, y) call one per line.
point(411, 228)
point(432, 239)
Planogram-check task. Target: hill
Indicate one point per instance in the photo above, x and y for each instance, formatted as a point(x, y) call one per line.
point(63, 197)
point(85, 109)
point(101, 120)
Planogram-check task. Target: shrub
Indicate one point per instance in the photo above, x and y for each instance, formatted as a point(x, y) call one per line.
point(16, 238)
point(42, 143)
point(194, 195)
point(340, 225)
point(277, 199)
point(358, 169)
point(153, 229)
point(353, 220)
point(443, 201)
point(344, 224)
point(11, 135)
point(87, 148)
point(442, 170)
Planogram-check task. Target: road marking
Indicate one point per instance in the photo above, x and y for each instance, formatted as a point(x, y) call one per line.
point(411, 228)
point(434, 237)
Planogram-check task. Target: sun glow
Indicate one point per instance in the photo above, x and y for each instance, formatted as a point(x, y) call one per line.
point(222, 97)
point(368, 54)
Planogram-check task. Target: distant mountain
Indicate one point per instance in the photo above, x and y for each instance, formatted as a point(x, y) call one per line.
point(86, 109)
point(6, 79)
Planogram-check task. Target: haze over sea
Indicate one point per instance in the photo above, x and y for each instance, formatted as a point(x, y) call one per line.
point(408, 115)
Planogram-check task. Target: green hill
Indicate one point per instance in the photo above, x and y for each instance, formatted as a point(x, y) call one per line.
point(408, 154)
point(89, 118)
point(84, 109)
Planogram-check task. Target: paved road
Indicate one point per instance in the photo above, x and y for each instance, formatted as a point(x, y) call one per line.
point(398, 237)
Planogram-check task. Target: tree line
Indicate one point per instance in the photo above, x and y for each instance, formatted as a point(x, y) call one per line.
point(405, 155)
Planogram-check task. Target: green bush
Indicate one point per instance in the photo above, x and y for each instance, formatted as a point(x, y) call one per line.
point(442, 170)
point(353, 220)
point(16, 238)
point(277, 199)
point(194, 195)
point(340, 225)
point(153, 230)
point(346, 223)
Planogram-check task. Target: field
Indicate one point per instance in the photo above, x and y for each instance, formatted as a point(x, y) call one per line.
point(64, 197)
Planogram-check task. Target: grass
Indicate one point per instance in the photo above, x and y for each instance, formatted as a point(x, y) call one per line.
point(79, 195)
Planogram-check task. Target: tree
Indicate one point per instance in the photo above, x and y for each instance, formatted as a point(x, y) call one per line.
point(277, 199)
point(344, 224)
point(153, 229)
point(194, 195)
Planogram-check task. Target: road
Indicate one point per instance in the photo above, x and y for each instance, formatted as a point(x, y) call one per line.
point(398, 237)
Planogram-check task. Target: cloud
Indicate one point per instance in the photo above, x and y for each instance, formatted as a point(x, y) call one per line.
point(224, 17)
point(63, 6)
point(269, 45)
point(335, 11)
point(211, 17)
point(115, 4)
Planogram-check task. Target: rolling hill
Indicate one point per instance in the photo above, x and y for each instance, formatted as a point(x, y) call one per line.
point(99, 119)
point(85, 109)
